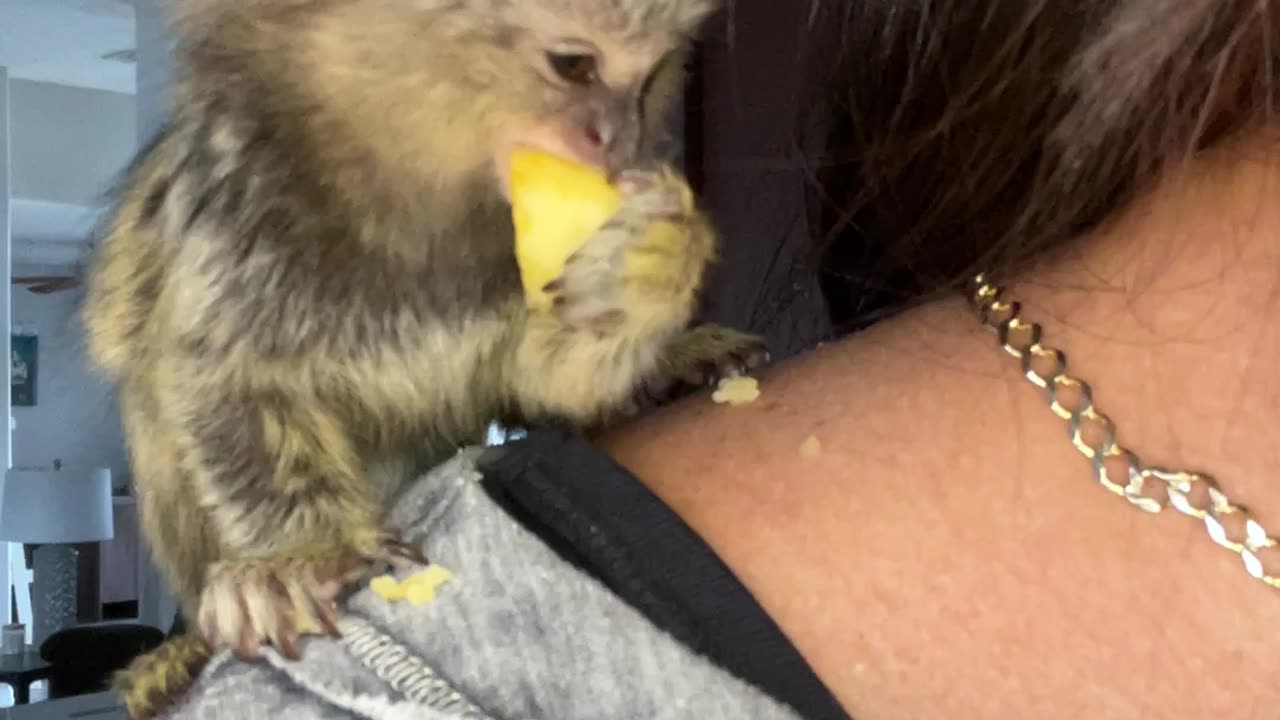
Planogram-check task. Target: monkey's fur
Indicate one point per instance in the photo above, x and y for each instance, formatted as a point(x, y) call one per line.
point(308, 277)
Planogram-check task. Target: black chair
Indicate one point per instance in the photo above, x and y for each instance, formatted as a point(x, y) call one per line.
point(85, 657)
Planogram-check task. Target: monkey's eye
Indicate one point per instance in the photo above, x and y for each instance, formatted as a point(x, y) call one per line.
point(576, 68)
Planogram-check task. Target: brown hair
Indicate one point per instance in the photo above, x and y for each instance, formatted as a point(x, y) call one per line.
point(977, 134)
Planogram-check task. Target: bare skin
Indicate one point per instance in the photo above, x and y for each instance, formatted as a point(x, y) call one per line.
point(947, 554)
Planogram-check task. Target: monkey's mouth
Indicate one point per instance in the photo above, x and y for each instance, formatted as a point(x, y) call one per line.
point(551, 139)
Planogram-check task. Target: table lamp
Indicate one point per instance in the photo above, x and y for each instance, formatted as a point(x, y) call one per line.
point(53, 510)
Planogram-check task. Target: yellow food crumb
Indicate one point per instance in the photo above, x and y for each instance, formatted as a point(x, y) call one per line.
point(556, 204)
point(419, 588)
point(388, 587)
point(420, 594)
point(740, 390)
point(810, 448)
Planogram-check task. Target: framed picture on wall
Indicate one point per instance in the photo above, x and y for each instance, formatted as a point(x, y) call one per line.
point(23, 359)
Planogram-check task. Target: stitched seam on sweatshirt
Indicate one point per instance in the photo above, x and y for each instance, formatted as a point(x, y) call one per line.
point(419, 509)
point(403, 670)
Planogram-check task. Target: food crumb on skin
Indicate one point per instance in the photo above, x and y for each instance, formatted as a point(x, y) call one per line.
point(811, 447)
point(739, 390)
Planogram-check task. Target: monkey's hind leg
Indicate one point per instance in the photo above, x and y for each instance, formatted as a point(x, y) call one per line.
point(181, 542)
point(156, 682)
point(297, 517)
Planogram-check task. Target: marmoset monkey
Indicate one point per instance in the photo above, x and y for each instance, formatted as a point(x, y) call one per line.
point(308, 278)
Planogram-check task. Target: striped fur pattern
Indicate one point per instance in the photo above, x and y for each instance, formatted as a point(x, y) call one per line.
point(306, 288)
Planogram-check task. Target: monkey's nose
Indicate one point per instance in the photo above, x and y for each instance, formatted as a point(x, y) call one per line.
point(614, 145)
point(601, 133)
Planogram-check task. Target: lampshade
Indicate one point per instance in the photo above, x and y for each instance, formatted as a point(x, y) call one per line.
point(61, 506)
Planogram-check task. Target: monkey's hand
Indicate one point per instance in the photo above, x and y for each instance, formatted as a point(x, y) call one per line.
point(698, 358)
point(619, 302)
point(639, 274)
point(248, 604)
point(707, 354)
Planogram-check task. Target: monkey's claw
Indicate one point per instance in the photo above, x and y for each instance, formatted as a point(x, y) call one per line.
point(702, 357)
point(708, 354)
point(653, 192)
point(250, 604)
point(401, 555)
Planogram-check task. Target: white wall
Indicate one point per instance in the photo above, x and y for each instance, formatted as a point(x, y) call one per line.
point(154, 74)
point(5, 456)
point(75, 418)
point(154, 67)
point(68, 143)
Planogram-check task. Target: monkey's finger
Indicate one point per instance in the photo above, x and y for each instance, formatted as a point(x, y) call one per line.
point(636, 181)
point(753, 357)
point(711, 372)
point(267, 604)
point(286, 641)
point(331, 575)
point(326, 614)
point(630, 407)
point(729, 367)
point(246, 644)
point(400, 550)
point(285, 633)
point(660, 205)
point(690, 375)
point(589, 313)
point(330, 587)
point(315, 598)
point(220, 609)
point(331, 578)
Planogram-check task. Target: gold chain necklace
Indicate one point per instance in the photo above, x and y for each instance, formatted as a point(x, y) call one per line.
point(1115, 467)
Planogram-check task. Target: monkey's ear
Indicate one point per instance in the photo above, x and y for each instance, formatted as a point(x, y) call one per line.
point(696, 12)
point(666, 84)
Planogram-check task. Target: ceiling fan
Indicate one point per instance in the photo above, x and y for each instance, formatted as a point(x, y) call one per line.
point(46, 284)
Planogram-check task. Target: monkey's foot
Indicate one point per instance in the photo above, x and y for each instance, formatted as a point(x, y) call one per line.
point(274, 601)
point(642, 268)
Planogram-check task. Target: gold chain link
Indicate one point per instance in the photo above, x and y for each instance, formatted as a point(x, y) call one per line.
point(1115, 467)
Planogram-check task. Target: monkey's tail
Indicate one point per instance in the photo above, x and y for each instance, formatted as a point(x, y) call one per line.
point(155, 682)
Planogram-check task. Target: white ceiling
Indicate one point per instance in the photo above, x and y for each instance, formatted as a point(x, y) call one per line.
point(63, 41)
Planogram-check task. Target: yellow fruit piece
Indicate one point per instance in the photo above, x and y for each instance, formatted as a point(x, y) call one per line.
point(811, 447)
point(419, 588)
point(556, 204)
point(740, 390)
point(388, 587)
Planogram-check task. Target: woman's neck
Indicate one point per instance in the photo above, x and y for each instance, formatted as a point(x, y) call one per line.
point(916, 519)
point(1170, 311)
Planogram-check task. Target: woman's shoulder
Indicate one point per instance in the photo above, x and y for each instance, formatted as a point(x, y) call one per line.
point(517, 631)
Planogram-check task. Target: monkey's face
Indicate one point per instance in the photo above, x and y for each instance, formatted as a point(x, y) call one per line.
point(589, 80)
point(447, 88)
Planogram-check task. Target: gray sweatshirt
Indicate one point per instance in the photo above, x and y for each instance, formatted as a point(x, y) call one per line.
point(517, 634)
